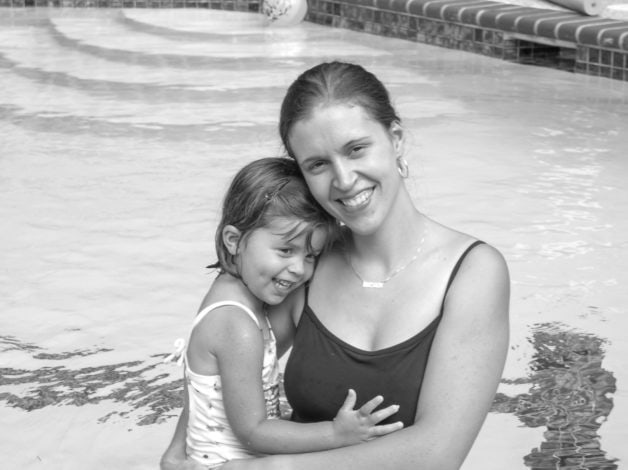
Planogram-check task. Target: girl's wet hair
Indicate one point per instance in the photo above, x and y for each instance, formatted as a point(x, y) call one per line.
point(334, 82)
point(262, 191)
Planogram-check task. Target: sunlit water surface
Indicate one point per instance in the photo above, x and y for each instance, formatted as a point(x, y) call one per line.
point(120, 131)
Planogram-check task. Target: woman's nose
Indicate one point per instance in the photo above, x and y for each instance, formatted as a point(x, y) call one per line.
point(344, 176)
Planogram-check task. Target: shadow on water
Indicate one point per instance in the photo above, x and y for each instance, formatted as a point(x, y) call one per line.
point(568, 396)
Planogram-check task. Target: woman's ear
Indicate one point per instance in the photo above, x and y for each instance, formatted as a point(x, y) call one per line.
point(397, 136)
point(231, 237)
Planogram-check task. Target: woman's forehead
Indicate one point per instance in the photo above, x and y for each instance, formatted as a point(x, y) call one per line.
point(332, 124)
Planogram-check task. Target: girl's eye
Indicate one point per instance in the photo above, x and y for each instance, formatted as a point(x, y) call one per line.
point(285, 251)
point(311, 257)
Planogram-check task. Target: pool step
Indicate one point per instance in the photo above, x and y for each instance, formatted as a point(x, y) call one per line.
point(114, 41)
point(197, 23)
point(91, 63)
point(33, 53)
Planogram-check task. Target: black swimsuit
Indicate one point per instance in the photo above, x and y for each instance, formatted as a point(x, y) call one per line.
point(321, 368)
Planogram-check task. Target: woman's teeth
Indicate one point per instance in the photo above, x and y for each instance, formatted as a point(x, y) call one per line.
point(358, 199)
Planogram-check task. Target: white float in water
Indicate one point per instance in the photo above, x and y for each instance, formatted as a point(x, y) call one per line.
point(586, 7)
point(284, 12)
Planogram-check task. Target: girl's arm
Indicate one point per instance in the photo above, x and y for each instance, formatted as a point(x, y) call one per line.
point(465, 365)
point(238, 346)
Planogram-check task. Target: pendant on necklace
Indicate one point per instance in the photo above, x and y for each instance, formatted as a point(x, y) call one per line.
point(372, 284)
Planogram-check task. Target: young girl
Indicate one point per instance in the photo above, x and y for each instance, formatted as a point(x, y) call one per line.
point(267, 243)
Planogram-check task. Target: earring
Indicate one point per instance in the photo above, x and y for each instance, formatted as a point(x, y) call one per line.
point(402, 167)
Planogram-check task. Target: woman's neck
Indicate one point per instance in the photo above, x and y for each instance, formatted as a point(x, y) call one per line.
point(396, 241)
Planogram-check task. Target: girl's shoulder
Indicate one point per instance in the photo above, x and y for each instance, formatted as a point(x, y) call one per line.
point(228, 297)
point(226, 312)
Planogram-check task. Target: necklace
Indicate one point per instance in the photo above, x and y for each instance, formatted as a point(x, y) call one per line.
point(380, 284)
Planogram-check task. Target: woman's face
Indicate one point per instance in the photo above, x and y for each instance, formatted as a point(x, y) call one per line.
point(349, 162)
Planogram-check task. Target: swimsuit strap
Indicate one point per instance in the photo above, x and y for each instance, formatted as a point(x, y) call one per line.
point(216, 305)
point(180, 347)
point(459, 263)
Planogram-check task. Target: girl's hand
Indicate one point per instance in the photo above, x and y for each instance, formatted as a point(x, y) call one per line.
point(354, 426)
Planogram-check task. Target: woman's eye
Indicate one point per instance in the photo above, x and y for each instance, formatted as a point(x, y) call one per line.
point(357, 149)
point(316, 166)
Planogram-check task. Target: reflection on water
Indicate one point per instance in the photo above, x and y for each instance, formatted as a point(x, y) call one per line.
point(144, 391)
point(568, 395)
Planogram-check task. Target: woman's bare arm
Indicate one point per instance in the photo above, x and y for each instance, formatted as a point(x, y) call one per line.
point(464, 369)
point(281, 319)
point(174, 457)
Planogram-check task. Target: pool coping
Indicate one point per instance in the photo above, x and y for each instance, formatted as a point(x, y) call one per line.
point(566, 40)
point(560, 39)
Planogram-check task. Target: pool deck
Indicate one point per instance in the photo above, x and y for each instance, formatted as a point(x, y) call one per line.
point(563, 39)
point(524, 33)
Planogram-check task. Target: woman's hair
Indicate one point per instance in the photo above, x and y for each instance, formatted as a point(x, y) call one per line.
point(261, 191)
point(334, 82)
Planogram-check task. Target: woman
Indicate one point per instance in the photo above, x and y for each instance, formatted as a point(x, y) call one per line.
point(401, 307)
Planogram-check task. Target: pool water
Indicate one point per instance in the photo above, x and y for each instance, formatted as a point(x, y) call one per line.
point(120, 131)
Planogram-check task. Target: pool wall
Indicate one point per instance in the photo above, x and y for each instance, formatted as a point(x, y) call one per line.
point(553, 38)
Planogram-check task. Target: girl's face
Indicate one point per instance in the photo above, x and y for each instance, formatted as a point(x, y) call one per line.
point(349, 162)
point(273, 264)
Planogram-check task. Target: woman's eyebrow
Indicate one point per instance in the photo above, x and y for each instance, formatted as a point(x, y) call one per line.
point(354, 142)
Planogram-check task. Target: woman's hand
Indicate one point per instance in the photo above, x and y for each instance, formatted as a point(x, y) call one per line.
point(354, 426)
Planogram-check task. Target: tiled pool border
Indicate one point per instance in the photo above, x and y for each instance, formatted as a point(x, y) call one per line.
point(561, 39)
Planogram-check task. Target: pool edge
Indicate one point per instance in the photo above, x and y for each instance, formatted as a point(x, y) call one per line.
point(565, 40)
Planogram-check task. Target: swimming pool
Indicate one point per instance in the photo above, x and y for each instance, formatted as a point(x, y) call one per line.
point(120, 131)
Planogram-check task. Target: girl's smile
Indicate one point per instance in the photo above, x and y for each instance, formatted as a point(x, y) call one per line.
point(273, 262)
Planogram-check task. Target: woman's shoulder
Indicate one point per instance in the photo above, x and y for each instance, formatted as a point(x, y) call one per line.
point(470, 258)
point(450, 241)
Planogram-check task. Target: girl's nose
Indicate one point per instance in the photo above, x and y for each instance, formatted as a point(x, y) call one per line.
point(297, 265)
point(344, 176)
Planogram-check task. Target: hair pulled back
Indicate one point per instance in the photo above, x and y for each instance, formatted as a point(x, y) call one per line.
point(334, 82)
point(262, 191)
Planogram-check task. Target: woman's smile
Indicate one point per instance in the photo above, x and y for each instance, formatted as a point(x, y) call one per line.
point(358, 201)
point(348, 160)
